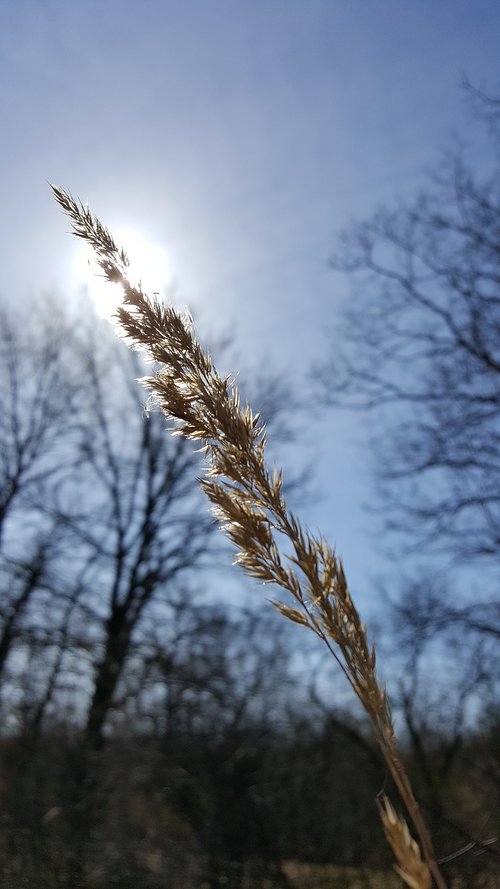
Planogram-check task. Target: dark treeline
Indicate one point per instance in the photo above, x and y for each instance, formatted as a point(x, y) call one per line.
point(155, 733)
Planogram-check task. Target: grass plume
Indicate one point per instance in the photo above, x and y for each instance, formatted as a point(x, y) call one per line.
point(248, 501)
point(413, 871)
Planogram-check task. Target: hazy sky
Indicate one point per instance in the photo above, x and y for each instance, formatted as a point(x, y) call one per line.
point(241, 136)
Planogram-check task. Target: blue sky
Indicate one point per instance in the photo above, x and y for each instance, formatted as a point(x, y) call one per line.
point(241, 135)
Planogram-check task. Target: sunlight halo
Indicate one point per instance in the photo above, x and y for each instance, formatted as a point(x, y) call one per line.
point(149, 266)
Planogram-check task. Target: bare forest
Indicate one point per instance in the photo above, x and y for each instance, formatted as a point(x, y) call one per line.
point(161, 725)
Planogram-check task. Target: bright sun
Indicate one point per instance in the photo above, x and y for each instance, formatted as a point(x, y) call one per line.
point(148, 264)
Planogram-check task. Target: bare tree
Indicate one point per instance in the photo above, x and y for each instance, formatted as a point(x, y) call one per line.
point(39, 429)
point(38, 392)
point(138, 515)
point(418, 343)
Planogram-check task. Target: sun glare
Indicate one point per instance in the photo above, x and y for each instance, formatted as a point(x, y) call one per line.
point(148, 266)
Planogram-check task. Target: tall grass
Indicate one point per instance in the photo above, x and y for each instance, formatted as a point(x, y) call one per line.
point(248, 501)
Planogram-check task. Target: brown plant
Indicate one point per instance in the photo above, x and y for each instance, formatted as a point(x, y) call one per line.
point(248, 501)
point(412, 870)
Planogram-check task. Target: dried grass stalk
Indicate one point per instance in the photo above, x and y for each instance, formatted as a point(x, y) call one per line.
point(248, 499)
point(410, 867)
